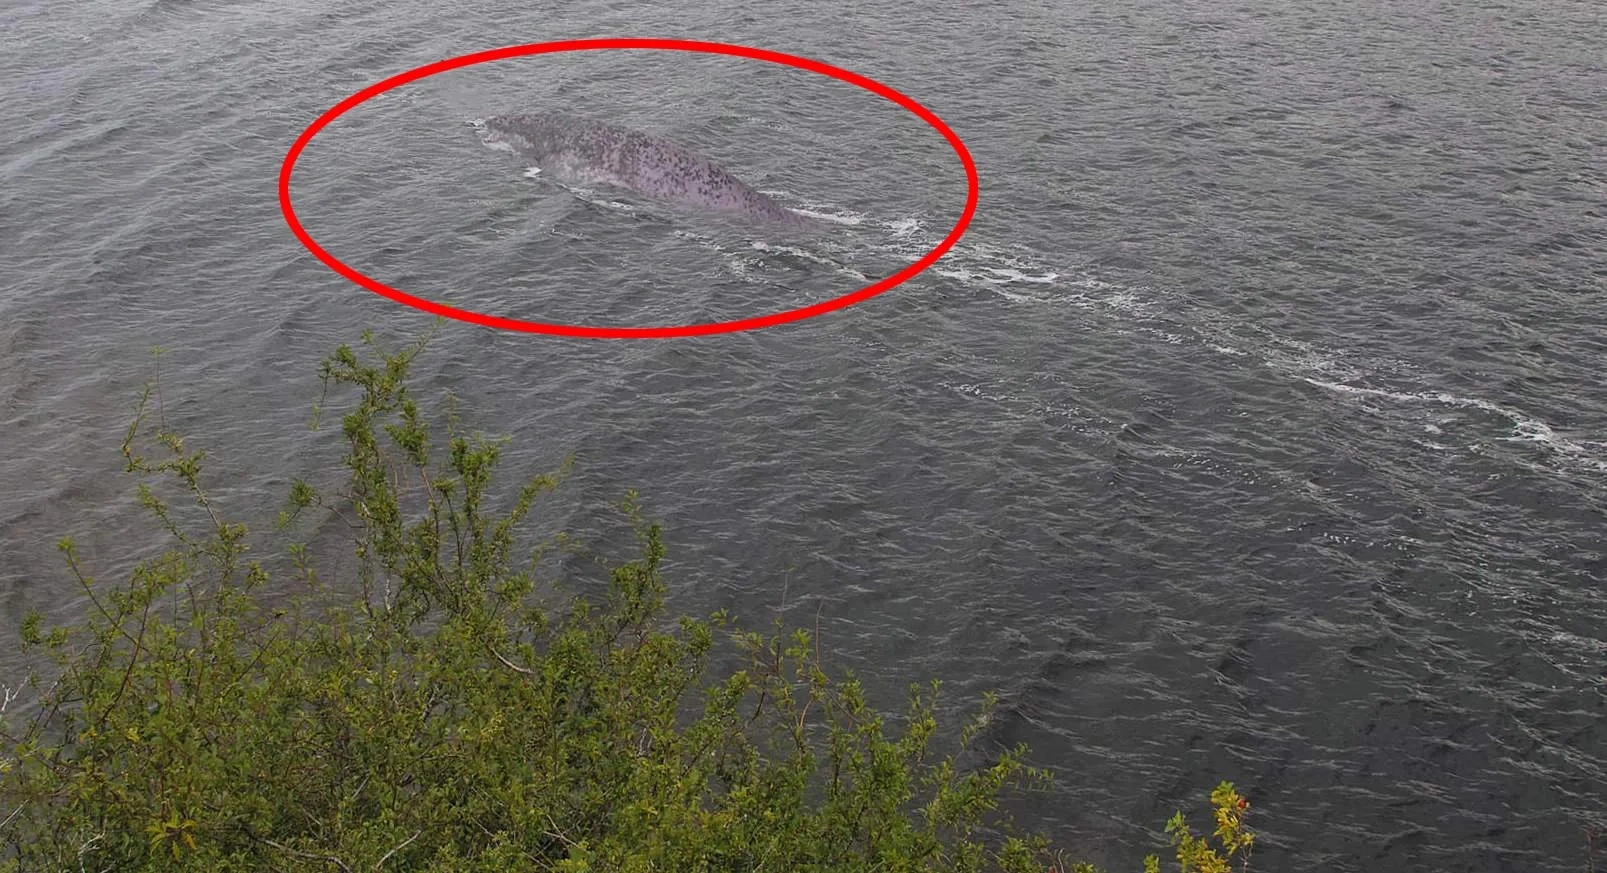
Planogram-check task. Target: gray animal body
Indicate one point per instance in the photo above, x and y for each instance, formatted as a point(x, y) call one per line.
point(583, 151)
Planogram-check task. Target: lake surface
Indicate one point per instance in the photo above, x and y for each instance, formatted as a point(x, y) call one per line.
point(1255, 430)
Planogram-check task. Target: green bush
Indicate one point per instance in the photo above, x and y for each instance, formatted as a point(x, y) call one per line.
point(442, 711)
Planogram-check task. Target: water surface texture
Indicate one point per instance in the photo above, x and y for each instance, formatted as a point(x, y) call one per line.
point(1255, 431)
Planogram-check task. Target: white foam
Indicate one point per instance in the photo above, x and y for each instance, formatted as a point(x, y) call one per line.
point(997, 276)
point(850, 219)
point(806, 255)
point(1525, 428)
point(816, 210)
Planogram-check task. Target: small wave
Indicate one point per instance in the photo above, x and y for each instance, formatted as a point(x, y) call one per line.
point(816, 210)
point(1019, 276)
point(905, 226)
point(1525, 428)
point(997, 276)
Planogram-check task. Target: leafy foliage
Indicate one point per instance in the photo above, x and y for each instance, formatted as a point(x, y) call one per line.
point(1196, 854)
point(445, 716)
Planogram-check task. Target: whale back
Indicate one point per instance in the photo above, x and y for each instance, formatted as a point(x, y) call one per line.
point(585, 151)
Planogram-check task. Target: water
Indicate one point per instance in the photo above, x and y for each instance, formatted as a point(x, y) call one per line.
point(1254, 431)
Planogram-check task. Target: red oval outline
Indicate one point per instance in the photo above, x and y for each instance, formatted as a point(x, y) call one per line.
point(515, 324)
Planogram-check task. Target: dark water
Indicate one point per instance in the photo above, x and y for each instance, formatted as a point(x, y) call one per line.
point(1255, 431)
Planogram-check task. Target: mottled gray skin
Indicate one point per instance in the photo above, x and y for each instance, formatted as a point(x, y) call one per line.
point(582, 151)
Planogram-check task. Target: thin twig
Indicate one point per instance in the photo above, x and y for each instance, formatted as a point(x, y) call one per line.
point(556, 834)
point(400, 846)
point(85, 847)
point(819, 605)
point(509, 664)
point(308, 855)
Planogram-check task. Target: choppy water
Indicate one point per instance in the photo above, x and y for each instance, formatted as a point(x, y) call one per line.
point(1256, 430)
